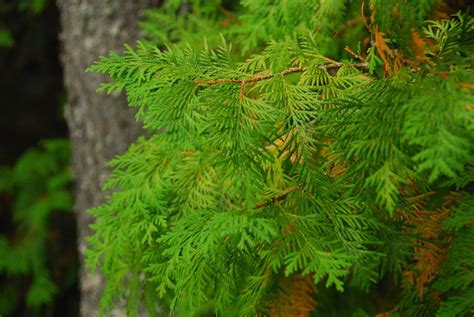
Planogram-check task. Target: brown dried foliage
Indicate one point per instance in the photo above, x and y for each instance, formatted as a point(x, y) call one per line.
point(431, 247)
point(385, 53)
point(296, 298)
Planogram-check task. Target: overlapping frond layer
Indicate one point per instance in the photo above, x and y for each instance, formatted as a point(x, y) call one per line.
point(308, 162)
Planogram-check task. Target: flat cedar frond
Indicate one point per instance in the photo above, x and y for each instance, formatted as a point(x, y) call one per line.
point(286, 154)
point(296, 297)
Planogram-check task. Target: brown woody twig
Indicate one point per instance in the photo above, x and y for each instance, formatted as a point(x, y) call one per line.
point(363, 66)
point(351, 52)
point(250, 80)
point(275, 199)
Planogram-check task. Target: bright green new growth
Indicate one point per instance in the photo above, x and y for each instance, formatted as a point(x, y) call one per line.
point(289, 162)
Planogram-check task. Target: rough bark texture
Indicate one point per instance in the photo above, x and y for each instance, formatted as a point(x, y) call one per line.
point(100, 126)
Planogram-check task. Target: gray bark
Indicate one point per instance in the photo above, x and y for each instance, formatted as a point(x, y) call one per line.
point(100, 126)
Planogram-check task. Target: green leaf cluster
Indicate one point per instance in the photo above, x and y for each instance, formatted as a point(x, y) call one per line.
point(284, 155)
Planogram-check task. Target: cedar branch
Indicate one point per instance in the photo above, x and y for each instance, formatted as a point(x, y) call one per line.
point(351, 52)
point(250, 80)
point(334, 64)
point(280, 197)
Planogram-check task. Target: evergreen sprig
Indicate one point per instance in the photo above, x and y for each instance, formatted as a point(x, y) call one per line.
point(303, 159)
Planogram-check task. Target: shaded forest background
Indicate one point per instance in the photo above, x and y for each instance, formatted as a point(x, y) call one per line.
point(33, 99)
point(42, 228)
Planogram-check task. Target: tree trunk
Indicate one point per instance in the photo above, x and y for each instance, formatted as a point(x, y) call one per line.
point(100, 126)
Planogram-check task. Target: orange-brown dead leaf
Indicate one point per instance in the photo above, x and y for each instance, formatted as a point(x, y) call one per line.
point(430, 250)
point(418, 45)
point(466, 85)
point(442, 11)
point(296, 298)
point(230, 18)
point(382, 48)
point(398, 63)
point(283, 144)
point(443, 74)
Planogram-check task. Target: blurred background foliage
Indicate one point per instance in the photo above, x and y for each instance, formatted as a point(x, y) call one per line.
point(35, 260)
point(38, 251)
point(34, 7)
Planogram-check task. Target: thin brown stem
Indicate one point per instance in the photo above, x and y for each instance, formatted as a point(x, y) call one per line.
point(275, 199)
point(361, 66)
point(334, 64)
point(250, 80)
point(356, 56)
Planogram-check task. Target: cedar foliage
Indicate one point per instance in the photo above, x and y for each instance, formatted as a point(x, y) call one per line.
point(331, 141)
